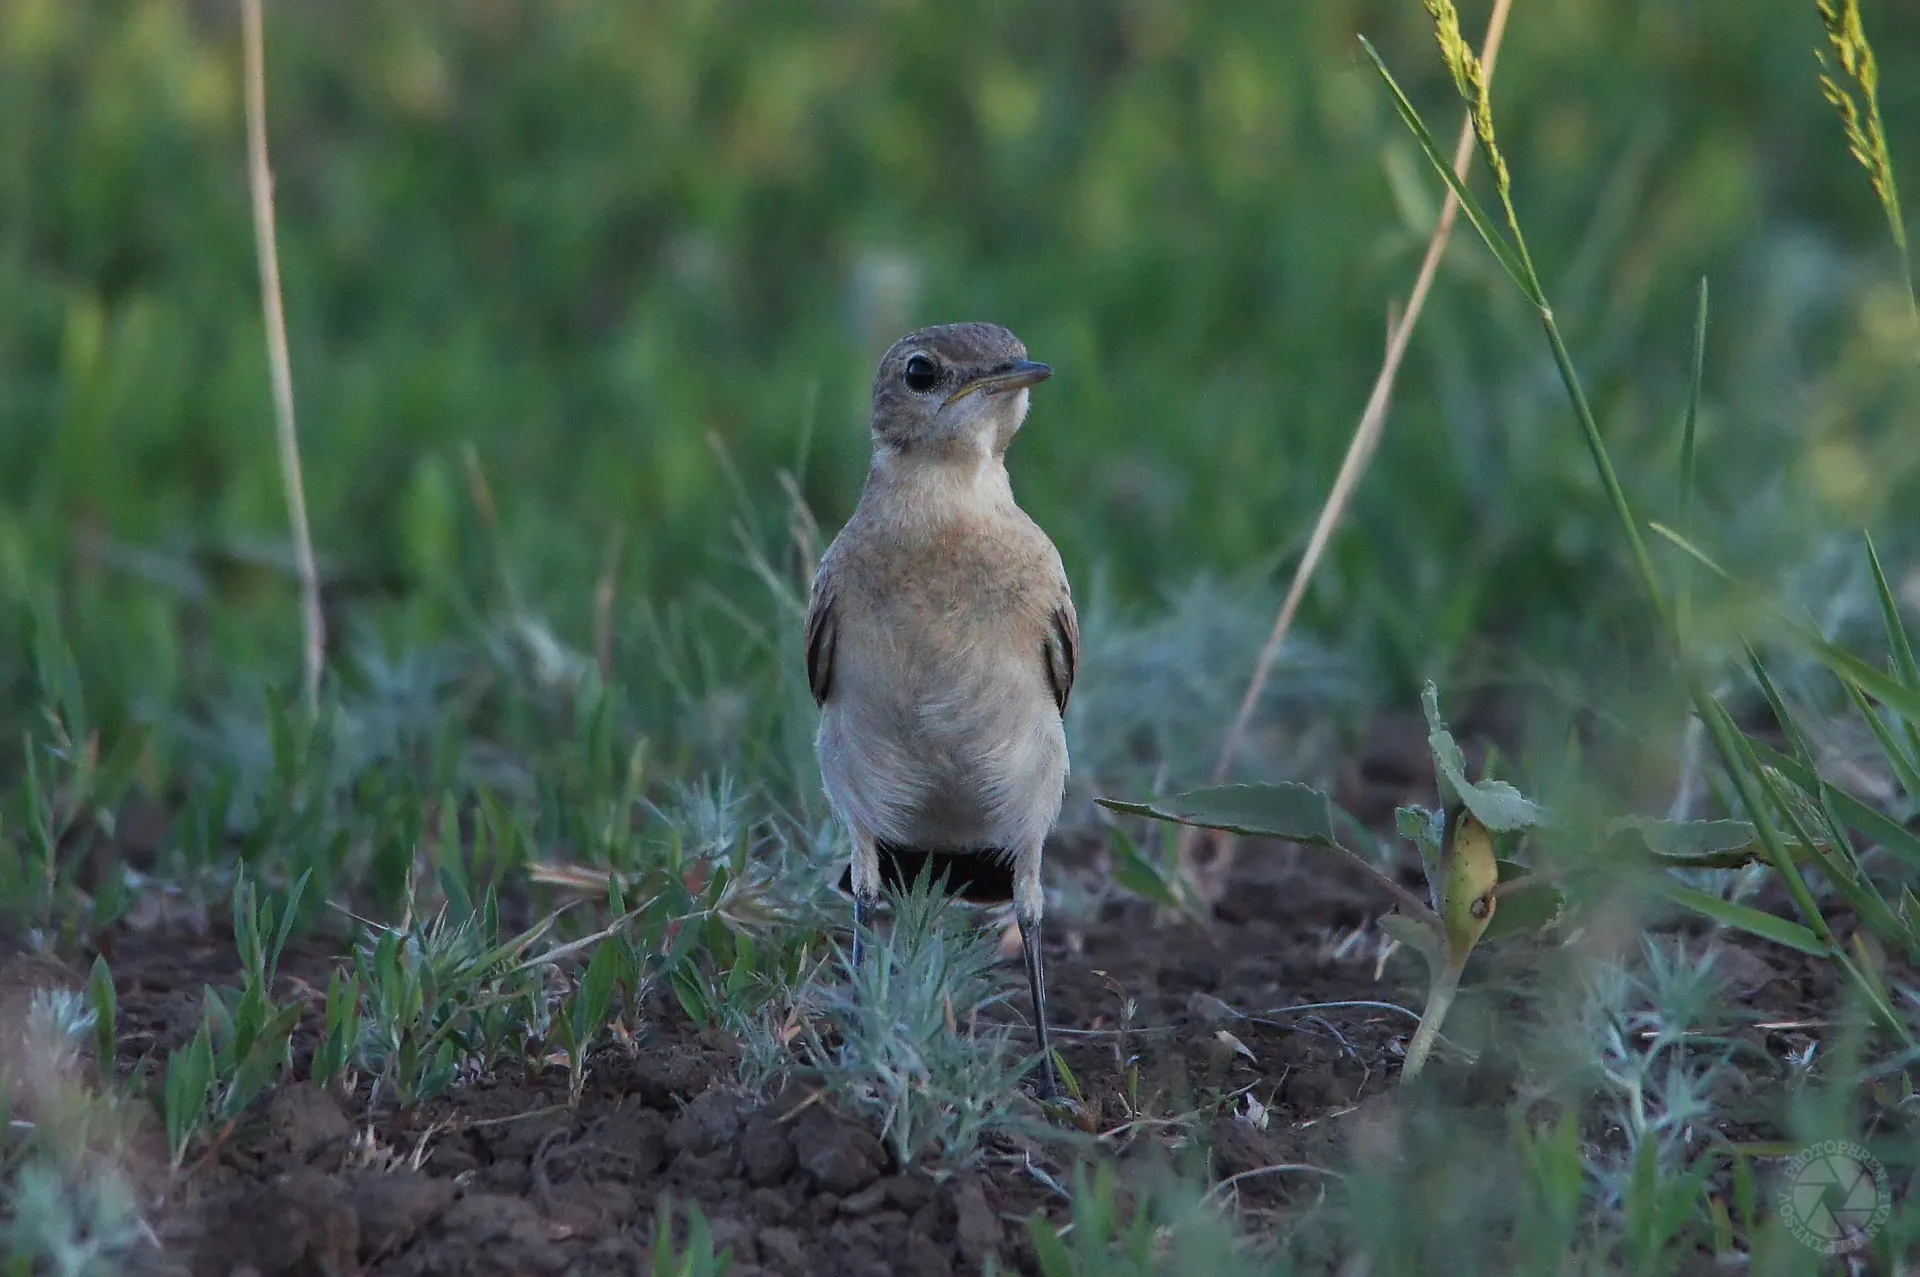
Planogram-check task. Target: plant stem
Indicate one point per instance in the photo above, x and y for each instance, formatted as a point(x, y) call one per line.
point(260, 180)
point(1446, 983)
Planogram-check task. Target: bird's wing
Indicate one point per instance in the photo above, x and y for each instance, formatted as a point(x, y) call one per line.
point(1061, 649)
point(822, 636)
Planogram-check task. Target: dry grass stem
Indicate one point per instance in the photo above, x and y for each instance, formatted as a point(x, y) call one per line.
point(1209, 880)
point(260, 180)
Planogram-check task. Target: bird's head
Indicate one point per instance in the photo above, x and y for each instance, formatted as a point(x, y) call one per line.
point(958, 390)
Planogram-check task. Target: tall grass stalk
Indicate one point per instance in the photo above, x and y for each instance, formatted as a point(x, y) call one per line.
point(1515, 258)
point(260, 182)
point(1866, 131)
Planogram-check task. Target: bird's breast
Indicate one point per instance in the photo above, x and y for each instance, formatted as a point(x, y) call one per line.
point(944, 735)
point(942, 730)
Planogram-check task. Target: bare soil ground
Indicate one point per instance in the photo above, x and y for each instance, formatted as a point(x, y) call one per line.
point(503, 1177)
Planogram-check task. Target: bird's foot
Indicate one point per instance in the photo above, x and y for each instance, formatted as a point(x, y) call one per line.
point(1063, 1106)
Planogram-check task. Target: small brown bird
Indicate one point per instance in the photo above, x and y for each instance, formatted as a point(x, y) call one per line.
point(942, 643)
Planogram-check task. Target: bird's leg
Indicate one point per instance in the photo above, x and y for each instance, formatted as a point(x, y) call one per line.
point(1028, 905)
point(862, 922)
point(866, 891)
point(1037, 981)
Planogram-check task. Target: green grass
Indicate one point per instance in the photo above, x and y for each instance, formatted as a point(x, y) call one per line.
point(587, 246)
point(584, 301)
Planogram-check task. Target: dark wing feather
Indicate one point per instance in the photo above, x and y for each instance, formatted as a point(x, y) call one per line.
point(822, 636)
point(1062, 652)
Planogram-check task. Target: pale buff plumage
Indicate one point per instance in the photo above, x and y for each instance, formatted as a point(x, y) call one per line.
point(942, 640)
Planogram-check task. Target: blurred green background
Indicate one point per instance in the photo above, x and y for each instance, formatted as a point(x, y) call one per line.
point(640, 258)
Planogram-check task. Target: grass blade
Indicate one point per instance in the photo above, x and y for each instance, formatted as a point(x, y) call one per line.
point(1898, 760)
point(1841, 870)
point(1886, 833)
point(106, 1010)
point(1844, 665)
point(1897, 644)
point(1689, 452)
point(1756, 922)
point(1496, 242)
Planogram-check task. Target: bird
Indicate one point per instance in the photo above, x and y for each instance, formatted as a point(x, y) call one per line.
point(942, 645)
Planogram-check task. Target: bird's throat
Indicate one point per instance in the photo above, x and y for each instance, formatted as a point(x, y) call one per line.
point(969, 473)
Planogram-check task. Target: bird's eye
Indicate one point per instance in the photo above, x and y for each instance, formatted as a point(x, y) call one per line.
point(922, 374)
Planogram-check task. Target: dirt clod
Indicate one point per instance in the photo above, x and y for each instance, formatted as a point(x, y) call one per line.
point(976, 1228)
point(305, 1123)
point(393, 1208)
point(781, 1246)
point(765, 1150)
point(840, 1154)
point(296, 1225)
point(489, 1234)
point(667, 1077)
point(710, 1124)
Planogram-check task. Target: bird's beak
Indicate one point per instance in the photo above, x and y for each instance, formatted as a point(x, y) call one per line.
point(1018, 377)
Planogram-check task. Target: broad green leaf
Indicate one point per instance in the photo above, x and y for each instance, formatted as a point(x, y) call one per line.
point(1691, 841)
point(1697, 844)
point(1420, 826)
point(1294, 812)
point(1427, 830)
point(1494, 803)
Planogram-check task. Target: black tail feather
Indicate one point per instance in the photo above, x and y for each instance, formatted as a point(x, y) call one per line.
point(982, 877)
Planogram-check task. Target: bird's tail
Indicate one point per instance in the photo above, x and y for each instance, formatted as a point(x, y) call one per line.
point(983, 877)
